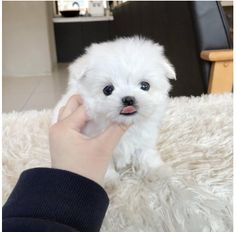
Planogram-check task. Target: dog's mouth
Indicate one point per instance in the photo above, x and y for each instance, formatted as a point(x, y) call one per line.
point(128, 110)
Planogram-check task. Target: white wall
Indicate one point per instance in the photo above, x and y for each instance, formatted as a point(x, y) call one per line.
point(28, 38)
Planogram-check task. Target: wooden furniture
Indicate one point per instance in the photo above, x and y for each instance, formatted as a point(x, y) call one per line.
point(221, 74)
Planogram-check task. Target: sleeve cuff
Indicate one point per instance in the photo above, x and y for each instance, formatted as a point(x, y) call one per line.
point(60, 196)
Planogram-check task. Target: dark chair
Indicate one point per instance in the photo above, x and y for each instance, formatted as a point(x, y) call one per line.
point(185, 29)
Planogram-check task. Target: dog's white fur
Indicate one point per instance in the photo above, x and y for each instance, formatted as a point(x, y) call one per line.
point(124, 62)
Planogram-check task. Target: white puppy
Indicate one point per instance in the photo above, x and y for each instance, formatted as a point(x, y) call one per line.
point(125, 80)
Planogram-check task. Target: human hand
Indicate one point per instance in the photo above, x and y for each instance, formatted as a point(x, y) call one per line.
point(73, 151)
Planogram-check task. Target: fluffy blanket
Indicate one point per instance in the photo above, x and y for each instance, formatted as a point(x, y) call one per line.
point(192, 193)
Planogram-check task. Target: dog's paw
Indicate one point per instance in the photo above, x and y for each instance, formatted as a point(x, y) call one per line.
point(111, 182)
point(112, 177)
point(152, 159)
point(149, 162)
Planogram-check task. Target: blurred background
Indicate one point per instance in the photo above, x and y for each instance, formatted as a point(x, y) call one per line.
point(40, 39)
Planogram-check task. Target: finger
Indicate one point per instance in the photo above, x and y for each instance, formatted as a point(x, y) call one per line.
point(77, 119)
point(59, 118)
point(73, 103)
point(111, 136)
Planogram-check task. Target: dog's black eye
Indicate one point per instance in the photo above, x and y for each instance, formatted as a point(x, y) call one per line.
point(108, 90)
point(145, 85)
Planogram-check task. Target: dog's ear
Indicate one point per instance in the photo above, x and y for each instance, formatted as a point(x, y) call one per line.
point(78, 68)
point(169, 69)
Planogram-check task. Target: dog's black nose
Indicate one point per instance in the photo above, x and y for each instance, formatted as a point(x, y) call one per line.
point(128, 100)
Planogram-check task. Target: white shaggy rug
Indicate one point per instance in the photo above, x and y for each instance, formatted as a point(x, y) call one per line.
point(196, 140)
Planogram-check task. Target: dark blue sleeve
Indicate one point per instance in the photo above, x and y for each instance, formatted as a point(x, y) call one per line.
point(46, 199)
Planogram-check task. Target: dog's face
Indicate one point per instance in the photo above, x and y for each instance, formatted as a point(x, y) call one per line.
point(125, 80)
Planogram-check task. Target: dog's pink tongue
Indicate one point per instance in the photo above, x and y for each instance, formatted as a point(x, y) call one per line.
point(128, 110)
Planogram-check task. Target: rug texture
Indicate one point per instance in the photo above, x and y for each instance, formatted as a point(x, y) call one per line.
point(193, 192)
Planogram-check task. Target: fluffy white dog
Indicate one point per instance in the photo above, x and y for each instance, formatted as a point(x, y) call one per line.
point(125, 80)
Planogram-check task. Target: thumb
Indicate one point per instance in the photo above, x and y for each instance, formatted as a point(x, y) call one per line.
point(77, 119)
point(111, 136)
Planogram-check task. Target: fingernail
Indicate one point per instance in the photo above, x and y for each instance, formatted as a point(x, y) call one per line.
point(123, 126)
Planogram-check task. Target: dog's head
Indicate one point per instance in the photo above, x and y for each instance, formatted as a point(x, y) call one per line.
point(124, 80)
